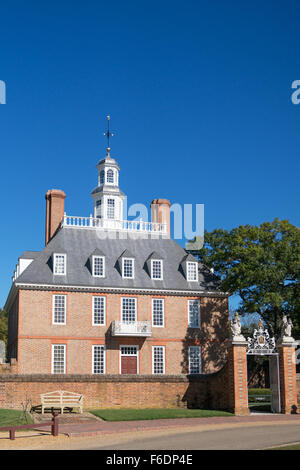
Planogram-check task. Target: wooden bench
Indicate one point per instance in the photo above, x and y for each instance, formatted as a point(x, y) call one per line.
point(61, 399)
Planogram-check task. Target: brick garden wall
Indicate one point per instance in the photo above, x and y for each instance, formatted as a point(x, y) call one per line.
point(115, 391)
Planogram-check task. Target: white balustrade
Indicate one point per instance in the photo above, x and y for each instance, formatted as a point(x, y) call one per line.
point(112, 224)
point(137, 328)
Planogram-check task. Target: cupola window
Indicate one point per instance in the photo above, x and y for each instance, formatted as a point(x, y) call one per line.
point(110, 176)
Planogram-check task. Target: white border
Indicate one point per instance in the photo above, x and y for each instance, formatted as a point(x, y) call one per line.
point(163, 300)
point(104, 359)
point(53, 306)
point(93, 304)
point(164, 357)
point(93, 267)
point(52, 358)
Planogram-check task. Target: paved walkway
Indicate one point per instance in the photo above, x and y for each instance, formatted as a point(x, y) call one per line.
point(131, 434)
point(95, 427)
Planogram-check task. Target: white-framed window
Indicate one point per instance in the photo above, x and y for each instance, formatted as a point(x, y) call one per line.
point(99, 359)
point(194, 313)
point(60, 264)
point(129, 309)
point(110, 176)
point(192, 271)
point(58, 359)
point(99, 310)
point(158, 359)
point(102, 176)
point(110, 208)
point(157, 269)
point(158, 312)
point(195, 360)
point(128, 268)
point(98, 266)
point(59, 313)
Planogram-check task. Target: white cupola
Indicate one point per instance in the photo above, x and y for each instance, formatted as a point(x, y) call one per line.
point(108, 198)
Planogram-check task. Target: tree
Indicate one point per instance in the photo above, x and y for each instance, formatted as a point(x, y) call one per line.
point(261, 264)
point(3, 325)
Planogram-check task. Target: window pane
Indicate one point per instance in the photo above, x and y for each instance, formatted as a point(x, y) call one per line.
point(98, 359)
point(195, 360)
point(128, 268)
point(156, 269)
point(158, 312)
point(128, 309)
point(158, 359)
point(192, 271)
point(59, 264)
point(110, 208)
point(99, 310)
point(98, 266)
point(58, 358)
point(110, 176)
point(194, 313)
point(59, 309)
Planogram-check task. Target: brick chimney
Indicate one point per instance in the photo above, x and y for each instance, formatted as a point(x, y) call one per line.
point(160, 212)
point(55, 208)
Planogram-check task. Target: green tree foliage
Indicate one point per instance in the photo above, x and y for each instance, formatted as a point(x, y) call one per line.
point(261, 264)
point(3, 325)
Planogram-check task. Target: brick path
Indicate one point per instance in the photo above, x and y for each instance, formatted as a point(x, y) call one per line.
point(94, 428)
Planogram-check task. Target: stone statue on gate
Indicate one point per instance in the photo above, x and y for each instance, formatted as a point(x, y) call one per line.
point(236, 329)
point(286, 330)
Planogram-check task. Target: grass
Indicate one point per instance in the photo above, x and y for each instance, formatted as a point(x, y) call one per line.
point(259, 391)
point(286, 447)
point(125, 414)
point(13, 418)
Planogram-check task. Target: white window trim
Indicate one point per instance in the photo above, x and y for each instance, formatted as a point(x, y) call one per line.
point(200, 350)
point(54, 264)
point(133, 268)
point(53, 309)
point(199, 314)
point(163, 301)
point(93, 315)
point(52, 358)
point(187, 271)
point(136, 312)
point(136, 355)
point(104, 359)
point(164, 358)
point(161, 270)
point(98, 275)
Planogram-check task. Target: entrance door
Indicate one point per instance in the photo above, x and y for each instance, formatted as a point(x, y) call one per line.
point(274, 383)
point(129, 359)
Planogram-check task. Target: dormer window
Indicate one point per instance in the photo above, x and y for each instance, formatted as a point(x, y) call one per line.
point(192, 271)
point(98, 266)
point(128, 268)
point(156, 269)
point(110, 176)
point(59, 264)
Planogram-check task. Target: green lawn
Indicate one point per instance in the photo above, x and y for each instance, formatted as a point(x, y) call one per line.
point(154, 413)
point(13, 417)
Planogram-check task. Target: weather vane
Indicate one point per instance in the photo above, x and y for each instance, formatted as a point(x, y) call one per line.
point(108, 134)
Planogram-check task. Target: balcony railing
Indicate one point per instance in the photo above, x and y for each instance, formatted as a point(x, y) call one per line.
point(138, 226)
point(137, 328)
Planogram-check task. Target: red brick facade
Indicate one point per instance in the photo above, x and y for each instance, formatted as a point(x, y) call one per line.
point(33, 335)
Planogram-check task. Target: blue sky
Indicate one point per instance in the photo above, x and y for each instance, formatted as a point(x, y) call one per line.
point(199, 95)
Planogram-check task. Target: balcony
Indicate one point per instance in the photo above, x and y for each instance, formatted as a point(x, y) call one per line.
point(131, 226)
point(138, 328)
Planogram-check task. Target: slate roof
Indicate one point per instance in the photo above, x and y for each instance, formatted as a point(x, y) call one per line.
point(78, 244)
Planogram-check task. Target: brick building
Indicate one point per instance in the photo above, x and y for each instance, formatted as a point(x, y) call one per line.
point(109, 296)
